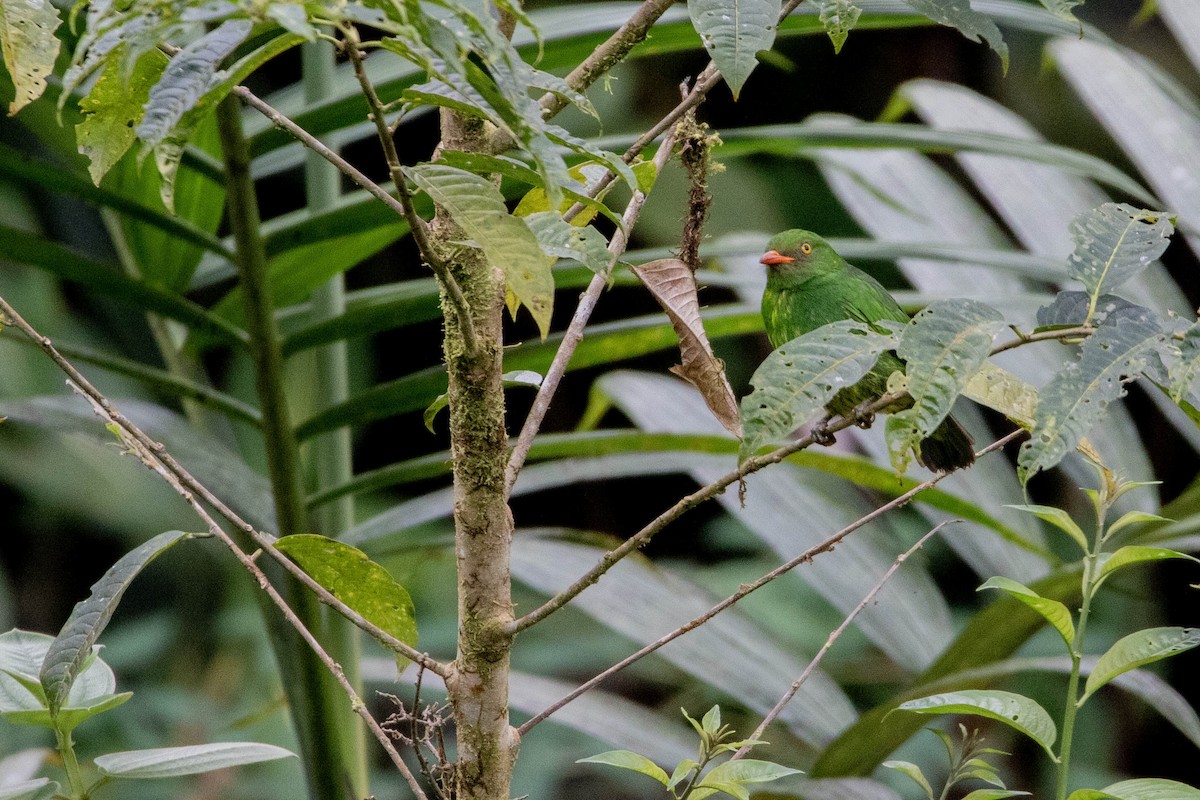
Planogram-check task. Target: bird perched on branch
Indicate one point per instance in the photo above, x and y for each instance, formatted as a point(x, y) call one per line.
point(809, 285)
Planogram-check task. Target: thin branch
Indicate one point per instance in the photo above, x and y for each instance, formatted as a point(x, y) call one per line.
point(416, 224)
point(574, 332)
point(284, 123)
point(193, 486)
point(1044, 336)
point(808, 555)
point(836, 634)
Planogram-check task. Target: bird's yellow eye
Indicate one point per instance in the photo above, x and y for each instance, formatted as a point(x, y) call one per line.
point(806, 248)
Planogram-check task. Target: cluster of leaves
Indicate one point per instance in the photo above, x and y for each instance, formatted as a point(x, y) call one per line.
point(60, 682)
point(946, 347)
point(1130, 652)
point(967, 763)
point(695, 778)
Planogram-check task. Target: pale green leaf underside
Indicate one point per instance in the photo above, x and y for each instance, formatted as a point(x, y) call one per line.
point(1052, 610)
point(796, 381)
point(507, 243)
point(1062, 8)
point(1138, 649)
point(747, 770)
point(1014, 710)
point(1152, 789)
point(169, 762)
point(914, 773)
point(627, 759)
point(972, 24)
point(30, 47)
point(1115, 242)
point(88, 619)
point(1136, 554)
point(733, 31)
point(839, 18)
point(36, 789)
point(560, 239)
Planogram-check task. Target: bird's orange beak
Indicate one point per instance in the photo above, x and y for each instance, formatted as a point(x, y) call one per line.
point(772, 257)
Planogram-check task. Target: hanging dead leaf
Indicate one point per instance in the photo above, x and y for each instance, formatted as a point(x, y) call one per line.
point(674, 287)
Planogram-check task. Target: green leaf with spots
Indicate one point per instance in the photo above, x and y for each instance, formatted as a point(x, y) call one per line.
point(112, 108)
point(1014, 710)
point(1137, 649)
point(1136, 554)
point(1151, 789)
point(1113, 243)
point(839, 18)
point(561, 239)
point(733, 31)
point(30, 47)
point(356, 580)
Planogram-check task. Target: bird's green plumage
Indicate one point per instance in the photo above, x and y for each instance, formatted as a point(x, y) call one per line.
point(818, 287)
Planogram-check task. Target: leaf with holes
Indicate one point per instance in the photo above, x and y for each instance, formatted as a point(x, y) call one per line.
point(733, 31)
point(796, 381)
point(1071, 308)
point(1014, 710)
point(674, 287)
point(969, 22)
point(357, 581)
point(88, 619)
point(30, 47)
point(112, 108)
point(507, 243)
point(1056, 613)
point(560, 239)
point(945, 345)
point(839, 18)
point(1077, 397)
point(1185, 367)
point(1113, 243)
point(1137, 649)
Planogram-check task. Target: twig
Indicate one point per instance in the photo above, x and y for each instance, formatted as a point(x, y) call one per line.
point(574, 332)
point(834, 635)
point(1044, 336)
point(416, 224)
point(746, 589)
point(284, 123)
point(194, 487)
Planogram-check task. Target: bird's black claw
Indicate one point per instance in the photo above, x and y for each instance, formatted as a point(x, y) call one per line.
point(821, 435)
point(864, 417)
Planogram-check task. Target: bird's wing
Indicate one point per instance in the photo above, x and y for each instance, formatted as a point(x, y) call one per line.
point(863, 298)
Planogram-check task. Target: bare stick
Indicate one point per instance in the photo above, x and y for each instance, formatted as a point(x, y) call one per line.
point(193, 486)
point(416, 224)
point(281, 121)
point(574, 332)
point(746, 589)
point(834, 635)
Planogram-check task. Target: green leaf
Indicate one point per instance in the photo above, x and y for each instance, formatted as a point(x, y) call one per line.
point(30, 47)
point(733, 31)
point(1073, 308)
point(993, 794)
point(587, 174)
point(88, 619)
point(507, 243)
point(796, 381)
point(913, 772)
point(1152, 789)
point(1077, 397)
point(1057, 614)
point(682, 770)
point(36, 789)
point(188, 77)
point(972, 24)
point(22, 698)
point(112, 108)
point(1014, 710)
point(839, 18)
point(711, 723)
point(1091, 794)
point(1113, 243)
point(1062, 8)
point(747, 770)
point(1136, 649)
point(356, 580)
point(169, 762)
point(1185, 368)
point(293, 18)
point(561, 239)
point(945, 345)
point(1059, 519)
point(1136, 554)
point(627, 759)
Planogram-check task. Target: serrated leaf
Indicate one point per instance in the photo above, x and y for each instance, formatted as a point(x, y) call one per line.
point(969, 22)
point(747, 770)
point(112, 108)
point(1016, 711)
point(796, 381)
point(913, 772)
point(1059, 519)
point(1139, 648)
point(1077, 397)
point(186, 79)
point(944, 346)
point(169, 762)
point(561, 239)
point(1072, 308)
point(733, 31)
point(352, 577)
point(508, 244)
point(839, 18)
point(36, 789)
point(1057, 614)
point(88, 619)
point(1113, 243)
point(30, 47)
point(1136, 554)
point(627, 759)
point(673, 285)
point(1152, 789)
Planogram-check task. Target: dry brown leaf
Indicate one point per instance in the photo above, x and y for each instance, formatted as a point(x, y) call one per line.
point(674, 287)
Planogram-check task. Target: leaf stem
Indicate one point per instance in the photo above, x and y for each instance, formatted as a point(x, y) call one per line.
point(66, 749)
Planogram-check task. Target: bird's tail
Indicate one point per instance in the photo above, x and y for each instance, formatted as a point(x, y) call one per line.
point(948, 448)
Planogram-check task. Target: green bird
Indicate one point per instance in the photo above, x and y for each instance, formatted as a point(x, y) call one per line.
point(810, 285)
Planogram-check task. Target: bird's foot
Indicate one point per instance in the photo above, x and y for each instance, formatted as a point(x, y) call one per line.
point(864, 417)
point(821, 434)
